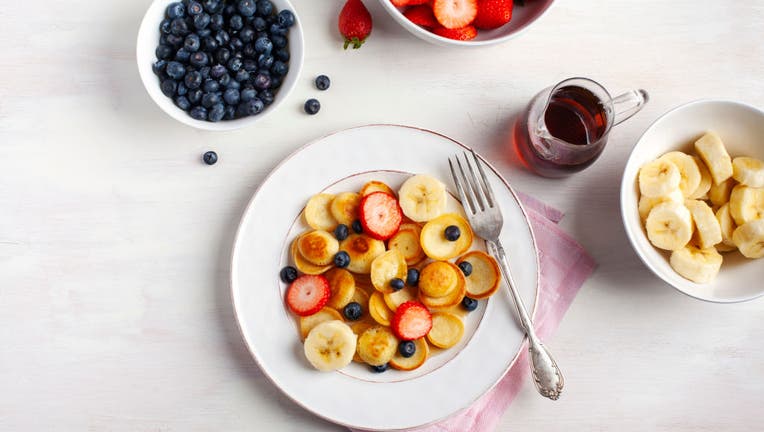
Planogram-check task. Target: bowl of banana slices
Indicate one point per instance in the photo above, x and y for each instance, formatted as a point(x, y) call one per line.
point(692, 200)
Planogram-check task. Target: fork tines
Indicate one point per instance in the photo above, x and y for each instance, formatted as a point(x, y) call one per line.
point(474, 191)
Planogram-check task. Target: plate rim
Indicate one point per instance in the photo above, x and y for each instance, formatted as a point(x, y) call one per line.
point(239, 231)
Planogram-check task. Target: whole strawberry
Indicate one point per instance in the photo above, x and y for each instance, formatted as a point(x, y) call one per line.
point(492, 14)
point(354, 23)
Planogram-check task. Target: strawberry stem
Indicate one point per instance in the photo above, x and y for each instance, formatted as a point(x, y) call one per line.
point(355, 41)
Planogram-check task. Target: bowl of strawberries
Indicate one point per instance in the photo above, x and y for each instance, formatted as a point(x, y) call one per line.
point(466, 22)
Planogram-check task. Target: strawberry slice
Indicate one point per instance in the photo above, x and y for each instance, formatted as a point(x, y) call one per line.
point(308, 294)
point(402, 3)
point(493, 13)
point(411, 321)
point(422, 16)
point(453, 14)
point(463, 34)
point(381, 215)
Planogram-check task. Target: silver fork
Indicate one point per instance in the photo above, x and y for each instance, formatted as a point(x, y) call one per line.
point(485, 217)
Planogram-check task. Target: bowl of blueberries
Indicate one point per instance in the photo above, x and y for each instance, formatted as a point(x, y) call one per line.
point(219, 64)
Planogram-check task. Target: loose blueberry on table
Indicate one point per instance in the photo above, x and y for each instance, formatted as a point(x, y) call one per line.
point(323, 82)
point(312, 106)
point(210, 157)
point(233, 55)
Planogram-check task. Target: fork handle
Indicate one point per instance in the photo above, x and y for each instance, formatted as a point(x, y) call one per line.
point(546, 375)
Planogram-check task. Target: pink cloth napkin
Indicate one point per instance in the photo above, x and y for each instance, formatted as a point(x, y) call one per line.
point(564, 267)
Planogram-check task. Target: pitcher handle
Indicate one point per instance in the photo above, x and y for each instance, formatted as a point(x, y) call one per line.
point(628, 104)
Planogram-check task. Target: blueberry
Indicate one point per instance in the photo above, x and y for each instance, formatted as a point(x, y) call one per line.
point(249, 51)
point(174, 40)
point(279, 68)
point(261, 81)
point(236, 44)
point(247, 34)
point(276, 82)
point(201, 21)
point(199, 59)
point(247, 7)
point(466, 267)
point(168, 87)
point(277, 30)
point(164, 26)
point(250, 107)
point(230, 112)
point(158, 67)
point(312, 106)
point(279, 42)
point(212, 6)
point(229, 10)
point(231, 96)
point(225, 79)
point(222, 37)
point(222, 55)
point(182, 103)
point(412, 277)
point(175, 10)
point(198, 113)
point(452, 233)
point(205, 71)
point(352, 311)
point(210, 158)
point(195, 8)
point(193, 80)
point(182, 55)
point(263, 45)
point(192, 43)
point(266, 96)
point(341, 259)
point(323, 82)
point(397, 284)
point(210, 99)
point(242, 75)
point(234, 64)
point(259, 24)
point(233, 84)
point(264, 8)
point(380, 368)
point(210, 86)
point(286, 19)
point(175, 70)
point(218, 71)
point(265, 61)
point(406, 348)
point(216, 113)
point(357, 227)
point(288, 274)
point(179, 27)
point(236, 22)
point(249, 65)
point(469, 304)
point(216, 22)
point(182, 89)
point(195, 96)
point(341, 232)
point(282, 55)
point(209, 44)
point(203, 33)
point(247, 95)
point(163, 51)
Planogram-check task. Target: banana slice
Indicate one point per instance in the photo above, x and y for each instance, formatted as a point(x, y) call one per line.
point(375, 186)
point(377, 345)
point(330, 345)
point(397, 298)
point(362, 250)
point(318, 214)
point(344, 207)
point(719, 194)
point(707, 228)
point(485, 277)
point(342, 285)
point(748, 171)
point(422, 197)
point(447, 330)
point(688, 171)
point(407, 242)
point(434, 241)
point(308, 322)
point(410, 363)
point(647, 203)
point(746, 204)
point(386, 267)
point(304, 265)
point(711, 149)
point(318, 247)
point(727, 225)
point(705, 180)
point(695, 264)
point(658, 178)
point(378, 309)
point(749, 238)
point(439, 279)
point(669, 226)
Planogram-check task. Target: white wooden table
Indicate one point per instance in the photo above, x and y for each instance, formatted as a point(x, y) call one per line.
point(115, 239)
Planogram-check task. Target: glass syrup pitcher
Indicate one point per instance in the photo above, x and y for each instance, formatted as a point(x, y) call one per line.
point(565, 128)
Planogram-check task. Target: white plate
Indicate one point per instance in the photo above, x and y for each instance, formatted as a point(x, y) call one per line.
point(355, 396)
point(741, 127)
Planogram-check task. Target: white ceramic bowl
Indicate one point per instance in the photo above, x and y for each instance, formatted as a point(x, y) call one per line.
point(148, 39)
point(741, 127)
point(522, 19)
